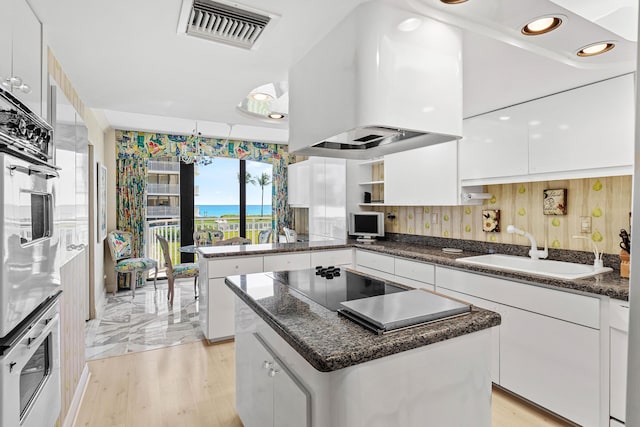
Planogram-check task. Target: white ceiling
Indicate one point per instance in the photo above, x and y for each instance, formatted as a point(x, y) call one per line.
point(126, 57)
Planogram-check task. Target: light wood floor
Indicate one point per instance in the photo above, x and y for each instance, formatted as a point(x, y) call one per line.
point(192, 385)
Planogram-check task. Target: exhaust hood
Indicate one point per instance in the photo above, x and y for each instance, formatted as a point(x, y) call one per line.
point(383, 80)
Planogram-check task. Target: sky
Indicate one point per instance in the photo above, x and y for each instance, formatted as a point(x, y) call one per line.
point(218, 183)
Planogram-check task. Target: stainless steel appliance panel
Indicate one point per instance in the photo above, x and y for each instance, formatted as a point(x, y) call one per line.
point(401, 309)
point(28, 241)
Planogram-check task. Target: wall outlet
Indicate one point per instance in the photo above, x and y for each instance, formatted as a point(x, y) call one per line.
point(434, 218)
point(585, 224)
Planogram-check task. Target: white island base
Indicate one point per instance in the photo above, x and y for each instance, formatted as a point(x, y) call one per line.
point(443, 384)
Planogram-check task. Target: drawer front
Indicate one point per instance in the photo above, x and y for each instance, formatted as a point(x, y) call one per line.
point(375, 261)
point(231, 266)
point(413, 283)
point(574, 308)
point(291, 261)
point(327, 258)
point(619, 315)
point(376, 273)
point(419, 271)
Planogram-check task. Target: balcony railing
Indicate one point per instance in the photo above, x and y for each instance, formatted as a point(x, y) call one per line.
point(163, 211)
point(159, 166)
point(170, 230)
point(155, 189)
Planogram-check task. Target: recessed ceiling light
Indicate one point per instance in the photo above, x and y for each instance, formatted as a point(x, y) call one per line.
point(504, 118)
point(259, 96)
point(276, 116)
point(453, 1)
point(596, 49)
point(541, 26)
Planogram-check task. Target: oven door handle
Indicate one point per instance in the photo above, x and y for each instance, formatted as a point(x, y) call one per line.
point(32, 169)
point(49, 323)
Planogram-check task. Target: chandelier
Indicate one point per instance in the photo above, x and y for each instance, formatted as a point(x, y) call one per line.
point(190, 148)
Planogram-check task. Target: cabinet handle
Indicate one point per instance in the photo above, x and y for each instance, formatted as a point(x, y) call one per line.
point(273, 372)
point(267, 365)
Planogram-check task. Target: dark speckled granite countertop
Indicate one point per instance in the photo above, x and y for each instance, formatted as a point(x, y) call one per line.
point(609, 284)
point(329, 341)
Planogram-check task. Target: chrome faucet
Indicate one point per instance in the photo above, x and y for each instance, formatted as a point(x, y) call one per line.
point(534, 253)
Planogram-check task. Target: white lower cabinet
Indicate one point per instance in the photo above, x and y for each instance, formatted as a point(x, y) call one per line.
point(553, 363)
point(216, 299)
point(401, 270)
point(618, 346)
point(495, 332)
point(289, 261)
point(547, 355)
point(342, 257)
point(268, 394)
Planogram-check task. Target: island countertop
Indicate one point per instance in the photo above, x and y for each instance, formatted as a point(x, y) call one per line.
point(329, 341)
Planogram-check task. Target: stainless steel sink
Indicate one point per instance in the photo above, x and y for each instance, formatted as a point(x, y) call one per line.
point(542, 267)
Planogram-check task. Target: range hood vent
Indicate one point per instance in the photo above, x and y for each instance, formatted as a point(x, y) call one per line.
point(392, 87)
point(224, 23)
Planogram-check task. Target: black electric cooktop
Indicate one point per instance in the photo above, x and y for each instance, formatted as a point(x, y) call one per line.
point(330, 292)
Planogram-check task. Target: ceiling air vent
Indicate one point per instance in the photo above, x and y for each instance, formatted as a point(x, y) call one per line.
point(234, 25)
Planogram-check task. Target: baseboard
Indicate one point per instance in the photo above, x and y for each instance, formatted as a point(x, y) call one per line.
point(81, 388)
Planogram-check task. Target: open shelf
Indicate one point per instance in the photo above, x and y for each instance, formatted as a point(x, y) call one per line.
point(371, 182)
point(373, 204)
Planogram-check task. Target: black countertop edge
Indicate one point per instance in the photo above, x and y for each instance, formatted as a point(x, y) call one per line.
point(352, 344)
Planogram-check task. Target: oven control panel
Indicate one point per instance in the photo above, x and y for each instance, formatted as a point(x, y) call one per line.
point(22, 131)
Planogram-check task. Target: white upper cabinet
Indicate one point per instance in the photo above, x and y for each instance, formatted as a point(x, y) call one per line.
point(21, 53)
point(327, 199)
point(495, 144)
point(5, 40)
point(580, 133)
point(424, 176)
point(586, 128)
point(299, 184)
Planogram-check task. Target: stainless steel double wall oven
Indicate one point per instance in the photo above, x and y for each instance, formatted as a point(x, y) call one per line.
point(30, 277)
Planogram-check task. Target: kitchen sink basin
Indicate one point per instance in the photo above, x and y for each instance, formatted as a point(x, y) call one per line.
point(542, 267)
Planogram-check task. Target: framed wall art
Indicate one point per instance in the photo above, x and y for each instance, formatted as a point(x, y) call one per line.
point(555, 202)
point(491, 220)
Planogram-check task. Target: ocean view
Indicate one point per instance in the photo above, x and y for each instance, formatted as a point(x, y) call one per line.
point(219, 210)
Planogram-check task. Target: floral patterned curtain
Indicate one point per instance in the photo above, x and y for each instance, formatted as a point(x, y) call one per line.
point(146, 145)
point(131, 201)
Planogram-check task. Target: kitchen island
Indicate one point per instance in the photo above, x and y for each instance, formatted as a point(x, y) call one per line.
point(300, 363)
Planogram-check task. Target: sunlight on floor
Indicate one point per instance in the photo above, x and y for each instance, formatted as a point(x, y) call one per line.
point(144, 323)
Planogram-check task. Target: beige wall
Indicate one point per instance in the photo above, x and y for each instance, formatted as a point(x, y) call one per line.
point(72, 305)
point(606, 201)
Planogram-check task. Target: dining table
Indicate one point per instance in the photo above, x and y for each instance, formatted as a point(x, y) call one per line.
point(189, 249)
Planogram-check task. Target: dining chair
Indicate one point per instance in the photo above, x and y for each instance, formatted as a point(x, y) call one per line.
point(207, 237)
point(121, 248)
point(233, 241)
point(290, 235)
point(265, 235)
point(178, 271)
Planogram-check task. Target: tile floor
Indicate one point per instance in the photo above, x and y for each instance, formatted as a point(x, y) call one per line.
point(145, 322)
